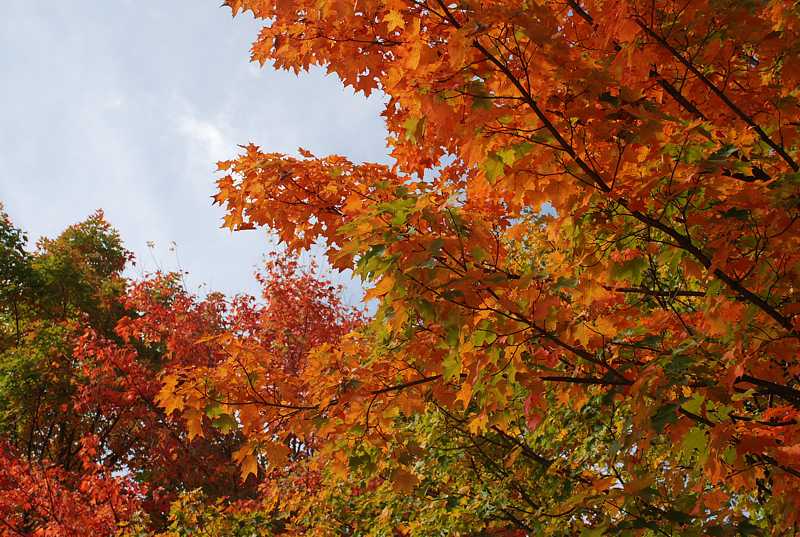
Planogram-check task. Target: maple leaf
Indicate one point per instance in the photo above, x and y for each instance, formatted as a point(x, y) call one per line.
point(394, 19)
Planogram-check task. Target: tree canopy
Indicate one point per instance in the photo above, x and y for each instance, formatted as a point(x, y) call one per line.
point(585, 261)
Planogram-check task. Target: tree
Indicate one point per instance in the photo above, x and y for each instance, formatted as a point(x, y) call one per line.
point(49, 297)
point(16, 273)
point(585, 256)
point(84, 446)
point(51, 481)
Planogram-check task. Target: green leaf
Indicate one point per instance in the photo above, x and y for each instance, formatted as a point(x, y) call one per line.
point(694, 404)
point(606, 97)
point(522, 149)
point(490, 337)
point(452, 335)
point(426, 310)
point(593, 532)
point(413, 126)
point(225, 423)
point(715, 287)
point(564, 282)
point(214, 410)
point(665, 415)
point(493, 167)
point(630, 270)
point(695, 439)
point(451, 366)
point(435, 246)
point(737, 213)
point(479, 254)
point(361, 460)
point(478, 337)
point(677, 516)
point(508, 156)
point(729, 455)
point(477, 89)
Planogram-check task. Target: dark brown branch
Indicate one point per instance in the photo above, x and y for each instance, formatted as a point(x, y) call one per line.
point(653, 292)
point(399, 387)
point(677, 95)
point(580, 11)
point(758, 173)
point(786, 392)
point(588, 380)
point(523, 446)
point(719, 93)
point(696, 417)
point(683, 241)
point(686, 244)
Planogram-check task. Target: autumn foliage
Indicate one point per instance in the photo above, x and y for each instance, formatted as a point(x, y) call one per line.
point(86, 449)
point(585, 261)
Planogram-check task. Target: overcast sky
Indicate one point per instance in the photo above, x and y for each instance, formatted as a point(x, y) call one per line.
point(126, 105)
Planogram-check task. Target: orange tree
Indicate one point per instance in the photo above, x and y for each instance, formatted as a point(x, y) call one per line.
point(585, 256)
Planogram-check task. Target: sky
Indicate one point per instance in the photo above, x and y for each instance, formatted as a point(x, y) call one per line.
point(126, 105)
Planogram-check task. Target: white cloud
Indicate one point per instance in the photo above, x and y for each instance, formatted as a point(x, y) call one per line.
point(206, 138)
point(116, 106)
point(113, 102)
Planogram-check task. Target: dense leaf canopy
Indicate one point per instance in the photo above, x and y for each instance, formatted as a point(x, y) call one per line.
point(585, 260)
point(586, 250)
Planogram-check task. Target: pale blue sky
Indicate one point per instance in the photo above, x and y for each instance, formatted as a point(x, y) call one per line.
point(126, 105)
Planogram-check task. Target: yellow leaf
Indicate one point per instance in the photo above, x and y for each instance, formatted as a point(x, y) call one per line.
point(241, 453)
point(167, 398)
point(249, 466)
point(395, 20)
point(591, 292)
point(339, 465)
point(583, 334)
point(457, 47)
point(353, 204)
point(413, 58)
point(400, 317)
point(194, 423)
point(478, 424)
point(364, 227)
point(247, 460)
point(383, 287)
point(465, 394)
point(604, 326)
